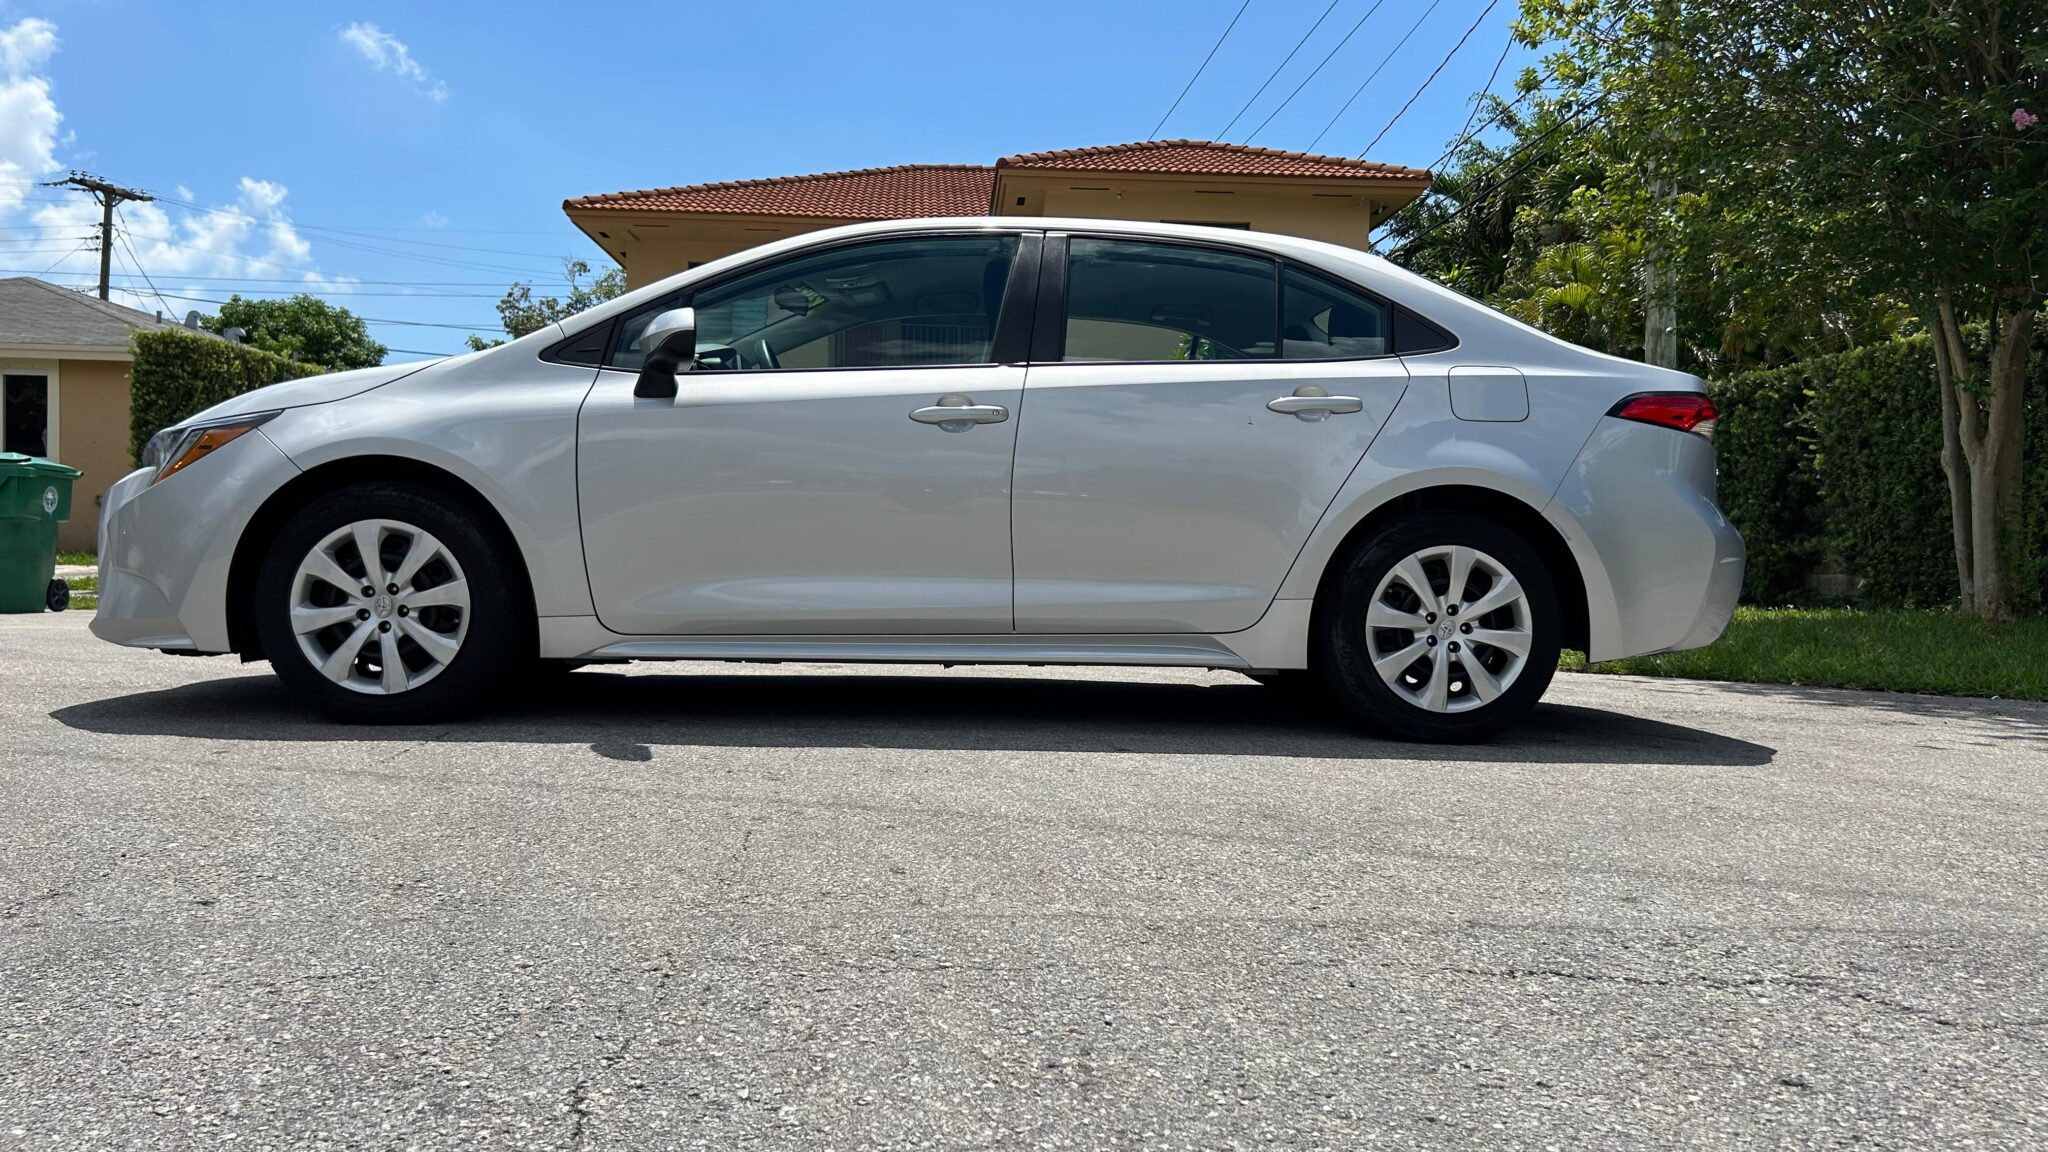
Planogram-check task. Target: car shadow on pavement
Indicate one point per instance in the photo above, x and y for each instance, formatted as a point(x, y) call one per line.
point(621, 717)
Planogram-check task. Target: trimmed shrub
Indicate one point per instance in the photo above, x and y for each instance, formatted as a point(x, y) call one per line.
point(1837, 460)
point(177, 374)
point(1766, 484)
point(1876, 417)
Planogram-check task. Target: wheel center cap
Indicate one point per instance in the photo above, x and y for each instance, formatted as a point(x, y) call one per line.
point(1447, 629)
point(382, 606)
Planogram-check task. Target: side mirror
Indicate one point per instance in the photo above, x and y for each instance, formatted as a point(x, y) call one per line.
point(667, 346)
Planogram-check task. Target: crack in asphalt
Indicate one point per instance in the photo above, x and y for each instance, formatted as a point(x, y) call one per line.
point(579, 1092)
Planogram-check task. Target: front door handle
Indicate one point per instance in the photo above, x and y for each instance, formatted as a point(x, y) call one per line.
point(956, 413)
point(1311, 403)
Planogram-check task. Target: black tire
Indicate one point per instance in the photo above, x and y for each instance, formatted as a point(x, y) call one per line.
point(57, 597)
point(499, 631)
point(1342, 644)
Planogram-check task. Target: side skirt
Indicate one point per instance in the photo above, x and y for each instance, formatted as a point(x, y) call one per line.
point(1278, 641)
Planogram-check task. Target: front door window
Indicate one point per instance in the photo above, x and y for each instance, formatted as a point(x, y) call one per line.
point(921, 301)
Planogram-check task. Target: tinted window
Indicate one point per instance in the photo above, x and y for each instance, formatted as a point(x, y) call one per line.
point(892, 303)
point(1320, 321)
point(1136, 301)
point(1414, 335)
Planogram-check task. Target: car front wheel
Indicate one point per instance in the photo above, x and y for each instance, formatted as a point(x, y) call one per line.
point(385, 603)
point(1443, 628)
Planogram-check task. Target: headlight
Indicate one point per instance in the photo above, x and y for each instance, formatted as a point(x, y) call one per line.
point(179, 447)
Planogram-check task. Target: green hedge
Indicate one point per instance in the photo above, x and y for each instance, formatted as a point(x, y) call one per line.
point(177, 374)
point(1836, 462)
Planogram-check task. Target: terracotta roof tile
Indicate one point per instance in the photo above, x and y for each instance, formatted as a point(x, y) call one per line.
point(1209, 158)
point(899, 192)
point(908, 190)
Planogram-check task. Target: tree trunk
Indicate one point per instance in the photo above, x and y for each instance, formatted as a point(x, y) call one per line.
point(1950, 375)
point(1995, 477)
point(1981, 427)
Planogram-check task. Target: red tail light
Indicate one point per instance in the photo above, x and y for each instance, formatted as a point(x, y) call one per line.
point(1684, 411)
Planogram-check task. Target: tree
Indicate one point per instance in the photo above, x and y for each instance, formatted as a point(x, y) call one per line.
point(1553, 224)
point(1891, 147)
point(521, 313)
point(303, 328)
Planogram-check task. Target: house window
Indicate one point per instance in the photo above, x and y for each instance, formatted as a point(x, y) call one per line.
point(25, 415)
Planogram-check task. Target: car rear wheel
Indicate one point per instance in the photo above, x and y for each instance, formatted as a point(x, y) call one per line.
point(1443, 628)
point(384, 603)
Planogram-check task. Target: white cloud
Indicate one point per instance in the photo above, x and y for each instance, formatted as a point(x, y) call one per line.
point(184, 250)
point(433, 219)
point(24, 47)
point(387, 53)
point(28, 114)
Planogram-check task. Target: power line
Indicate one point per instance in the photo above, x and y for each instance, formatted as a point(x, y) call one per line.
point(1198, 72)
point(296, 290)
point(1419, 20)
point(137, 262)
point(467, 265)
point(1276, 71)
point(1441, 65)
point(1480, 193)
point(109, 196)
point(1485, 90)
point(1314, 72)
point(63, 258)
point(1471, 131)
point(303, 227)
point(351, 280)
point(366, 319)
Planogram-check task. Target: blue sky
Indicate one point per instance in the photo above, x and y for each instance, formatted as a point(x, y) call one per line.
point(408, 160)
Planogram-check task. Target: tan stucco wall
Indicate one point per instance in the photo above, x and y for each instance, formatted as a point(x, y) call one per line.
point(654, 245)
point(1311, 211)
point(92, 437)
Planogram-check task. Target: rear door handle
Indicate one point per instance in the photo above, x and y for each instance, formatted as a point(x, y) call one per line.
point(1311, 403)
point(959, 413)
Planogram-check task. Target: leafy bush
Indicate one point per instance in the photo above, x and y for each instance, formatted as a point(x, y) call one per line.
point(1766, 484)
point(1838, 459)
point(177, 374)
point(1876, 417)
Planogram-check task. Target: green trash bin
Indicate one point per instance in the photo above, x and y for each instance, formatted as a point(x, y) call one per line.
point(35, 495)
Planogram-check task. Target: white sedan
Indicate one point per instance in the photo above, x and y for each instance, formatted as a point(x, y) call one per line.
point(954, 441)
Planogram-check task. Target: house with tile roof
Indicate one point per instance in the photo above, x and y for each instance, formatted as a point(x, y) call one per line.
point(64, 359)
point(657, 232)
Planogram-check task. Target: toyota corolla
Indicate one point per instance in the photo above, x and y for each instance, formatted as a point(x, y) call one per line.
point(954, 441)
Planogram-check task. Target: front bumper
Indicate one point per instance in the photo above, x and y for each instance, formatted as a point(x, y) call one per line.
point(1663, 566)
point(166, 549)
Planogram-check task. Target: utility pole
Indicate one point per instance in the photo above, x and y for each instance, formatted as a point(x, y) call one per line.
point(1660, 278)
point(108, 196)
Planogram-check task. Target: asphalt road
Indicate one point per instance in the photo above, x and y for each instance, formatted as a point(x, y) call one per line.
point(699, 906)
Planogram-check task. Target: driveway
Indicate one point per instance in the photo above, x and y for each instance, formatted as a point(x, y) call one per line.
point(709, 906)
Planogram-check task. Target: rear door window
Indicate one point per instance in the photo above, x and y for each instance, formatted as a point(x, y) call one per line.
point(1321, 321)
point(1133, 301)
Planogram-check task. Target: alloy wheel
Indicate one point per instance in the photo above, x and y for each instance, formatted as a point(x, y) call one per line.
point(1449, 628)
point(379, 607)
